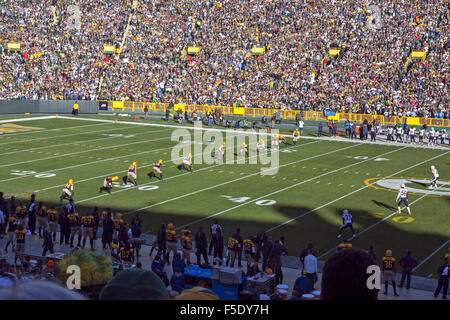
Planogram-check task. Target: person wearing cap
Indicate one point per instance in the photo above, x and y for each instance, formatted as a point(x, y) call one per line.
point(303, 284)
point(134, 284)
point(408, 263)
point(171, 235)
point(388, 267)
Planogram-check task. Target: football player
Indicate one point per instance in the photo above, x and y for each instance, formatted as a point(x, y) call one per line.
point(75, 227)
point(186, 161)
point(283, 139)
point(157, 166)
point(296, 134)
point(388, 264)
point(347, 222)
point(390, 132)
point(132, 172)
point(433, 181)
point(431, 137)
point(222, 149)
point(52, 217)
point(88, 229)
point(42, 219)
point(403, 197)
point(275, 141)
point(107, 184)
point(67, 191)
point(244, 148)
point(421, 135)
point(260, 145)
point(399, 133)
point(412, 135)
point(13, 224)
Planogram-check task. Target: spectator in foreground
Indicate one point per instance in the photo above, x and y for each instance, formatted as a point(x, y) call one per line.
point(303, 284)
point(345, 276)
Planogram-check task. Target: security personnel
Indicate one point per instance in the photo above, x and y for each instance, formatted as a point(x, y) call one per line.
point(186, 244)
point(249, 250)
point(13, 223)
point(132, 173)
point(75, 227)
point(117, 222)
point(157, 166)
point(42, 219)
point(171, 237)
point(107, 184)
point(67, 191)
point(231, 251)
point(88, 229)
point(20, 234)
point(408, 263)
point(75, 109)
point(296, 134)
point(52, 217)
point(127, 254)
point(186, 161)
point(388, 266)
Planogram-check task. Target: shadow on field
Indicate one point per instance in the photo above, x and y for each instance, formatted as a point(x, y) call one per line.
point(383, 205)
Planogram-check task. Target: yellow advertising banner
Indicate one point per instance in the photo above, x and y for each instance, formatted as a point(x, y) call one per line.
point(418, 54)
point(257, 51)
point(194, 50)
point(413, 121)
point(334, 51)
point(13, 46)
point(181, 107)
point(118, 105)
point(108, 49)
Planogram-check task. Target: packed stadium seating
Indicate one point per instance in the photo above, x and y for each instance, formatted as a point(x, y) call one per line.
point(371, 74)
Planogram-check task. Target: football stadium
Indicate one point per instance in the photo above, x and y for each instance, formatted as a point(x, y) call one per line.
point(224, 150)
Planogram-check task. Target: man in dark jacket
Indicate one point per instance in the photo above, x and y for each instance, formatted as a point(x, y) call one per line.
point(201, 243)
point(408, 263)
point(107, 232)
point(260, 239)
point(161, 240)
point(32, 214)
point(266, 248)
point(303, 284)
point(48, 243)
point(64, 227)
point(443, 272)
point(238, 248)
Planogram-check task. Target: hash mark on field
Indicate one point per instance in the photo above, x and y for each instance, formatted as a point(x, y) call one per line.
point(356, 172)
point(295, 179)
point(241, 173)
point(303, 167)
point(345, 171)
point(211, 170)
point(329, 182)
point(352, 186)
point(221, 171)
point(284, 178)
point(340, 184)
point(293, 166)
point(318, 182)
point(324, 169)
point(231, 172)
point(314, 168)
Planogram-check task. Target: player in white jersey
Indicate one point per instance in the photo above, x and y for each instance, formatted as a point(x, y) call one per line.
point(433, 182)
point(436, 137)
point(431, 137)
point(442, 135)
point(390, 133)
point(347, 222)
point(399, 133)
point(403, 197)
point(260, 145)
point(412, 135)
point(421, 135)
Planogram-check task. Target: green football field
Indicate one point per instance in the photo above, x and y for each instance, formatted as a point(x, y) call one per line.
point(303, 201)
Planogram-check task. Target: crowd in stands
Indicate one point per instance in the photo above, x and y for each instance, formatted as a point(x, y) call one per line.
point(130, 279)
point(293, 73)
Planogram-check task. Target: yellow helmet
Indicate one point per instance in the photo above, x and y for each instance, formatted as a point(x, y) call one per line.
point(134, 163)
point(190, 155)
point(224, 143)
point(170, 226)
point(70, 181)
point(118, 215)
point(389, 252)
point(160, 161)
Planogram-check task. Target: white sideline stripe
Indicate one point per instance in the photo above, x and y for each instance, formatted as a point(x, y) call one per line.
point(27, 119)
point(81, 141)
point(46, 130)
point(284, 189)
point(353, 192)
point(70, 154)
point(172, 177)
point(432, 254)
point(260, 133)
point(88, 163)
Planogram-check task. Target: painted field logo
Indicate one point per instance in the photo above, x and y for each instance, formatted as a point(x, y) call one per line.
point(417, 186)
point(11, 127)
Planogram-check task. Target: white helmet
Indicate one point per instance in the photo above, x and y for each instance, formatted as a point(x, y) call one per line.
point(432, 167)
point(403, 185)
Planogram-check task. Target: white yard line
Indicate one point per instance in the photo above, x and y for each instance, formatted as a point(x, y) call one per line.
point(353, 192)
point(27, 119)
point(88, 163)
point(169, 178)
point(81, 141)
point(284, 189)
point(432, 254)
